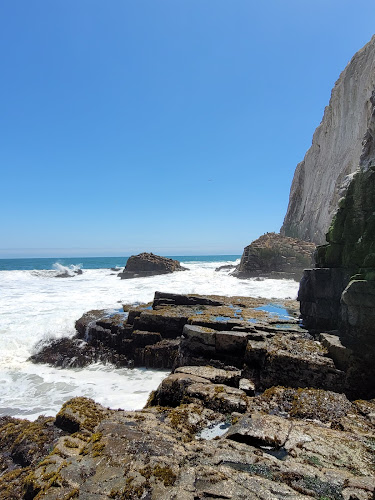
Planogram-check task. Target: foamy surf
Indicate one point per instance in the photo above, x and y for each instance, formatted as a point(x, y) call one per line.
point(36, 306)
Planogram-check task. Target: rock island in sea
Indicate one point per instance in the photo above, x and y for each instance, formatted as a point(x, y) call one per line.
point(149, 264)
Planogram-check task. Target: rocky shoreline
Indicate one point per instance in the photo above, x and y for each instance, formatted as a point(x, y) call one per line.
point(256, 407)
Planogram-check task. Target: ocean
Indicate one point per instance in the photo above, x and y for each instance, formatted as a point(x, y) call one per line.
point(36, 306)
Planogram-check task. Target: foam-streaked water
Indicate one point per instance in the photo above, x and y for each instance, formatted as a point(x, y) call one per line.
point(35, 305)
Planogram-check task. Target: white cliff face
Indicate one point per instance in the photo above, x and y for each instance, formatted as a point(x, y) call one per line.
point(322, 177)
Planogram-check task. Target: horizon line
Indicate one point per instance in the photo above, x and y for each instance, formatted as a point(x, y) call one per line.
point(120, 256)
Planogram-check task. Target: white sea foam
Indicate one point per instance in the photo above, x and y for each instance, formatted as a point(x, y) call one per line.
point(35, 305)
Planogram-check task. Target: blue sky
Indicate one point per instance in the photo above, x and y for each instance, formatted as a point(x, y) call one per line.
point(171, 126)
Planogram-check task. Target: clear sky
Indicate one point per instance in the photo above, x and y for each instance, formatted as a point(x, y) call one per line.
point(171, 126)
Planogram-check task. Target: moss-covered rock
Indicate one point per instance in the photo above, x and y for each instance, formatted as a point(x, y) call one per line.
point(351, 236)
point(79, 414)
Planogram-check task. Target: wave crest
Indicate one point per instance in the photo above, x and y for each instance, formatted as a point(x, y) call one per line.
point(67, 271)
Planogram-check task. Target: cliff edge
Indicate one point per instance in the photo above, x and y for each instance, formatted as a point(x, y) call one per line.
point(322, 178)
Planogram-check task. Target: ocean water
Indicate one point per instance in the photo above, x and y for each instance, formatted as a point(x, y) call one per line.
point(36, 306)
point(94, 262)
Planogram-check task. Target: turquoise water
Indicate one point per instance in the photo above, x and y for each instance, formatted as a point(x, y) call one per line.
point(275, 310)
point(96, 262)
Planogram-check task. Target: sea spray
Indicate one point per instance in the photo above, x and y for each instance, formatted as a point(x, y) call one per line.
point(67, 271)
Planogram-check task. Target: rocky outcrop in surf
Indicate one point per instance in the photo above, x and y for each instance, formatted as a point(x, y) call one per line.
point(149, 335)
point(66, 271)
point(274, 255)
point(148, 264)
point(322, 178)
point(261, 339)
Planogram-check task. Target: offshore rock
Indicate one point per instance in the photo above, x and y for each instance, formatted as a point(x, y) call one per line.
point(274, 255)
point(148, 264)
point(69, 273)
point(323, 176)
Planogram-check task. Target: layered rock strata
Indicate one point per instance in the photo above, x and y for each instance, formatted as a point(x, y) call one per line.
point(148, 264)
point(262, 340)
point(150, 334)
point(323, 176)
point(274, 255)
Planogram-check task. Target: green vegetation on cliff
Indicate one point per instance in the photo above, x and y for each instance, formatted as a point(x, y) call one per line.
point(351, 236)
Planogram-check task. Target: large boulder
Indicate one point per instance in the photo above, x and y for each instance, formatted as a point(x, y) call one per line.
point(148, 264)
point(275, 255)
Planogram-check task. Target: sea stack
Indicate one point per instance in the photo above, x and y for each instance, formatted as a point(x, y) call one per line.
point(148, 264)
point(274, 255)
point(322, 178)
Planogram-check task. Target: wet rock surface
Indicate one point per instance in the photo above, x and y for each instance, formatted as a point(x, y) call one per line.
point(69, 273)
point(150, 335)
point(149, 264)
point(238, 337)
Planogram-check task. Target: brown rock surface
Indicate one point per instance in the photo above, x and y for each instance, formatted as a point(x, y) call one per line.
point(149, 334)
point(158, 454)
point(276, 256)
point(149, 264)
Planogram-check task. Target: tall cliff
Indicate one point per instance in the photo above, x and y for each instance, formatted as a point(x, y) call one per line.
point(322, 178)
point(339, 293)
